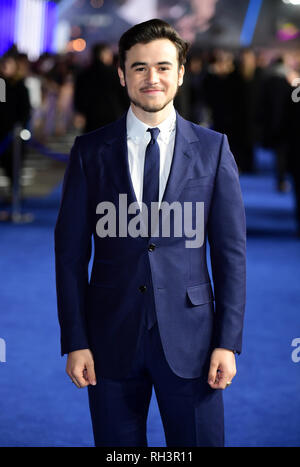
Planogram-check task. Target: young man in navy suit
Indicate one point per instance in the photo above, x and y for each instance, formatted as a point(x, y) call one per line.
point(146, 317)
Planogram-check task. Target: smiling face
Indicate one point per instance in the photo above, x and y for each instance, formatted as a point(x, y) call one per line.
point(152, 76)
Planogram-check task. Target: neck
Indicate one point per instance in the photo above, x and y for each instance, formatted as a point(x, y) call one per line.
point(152, 118)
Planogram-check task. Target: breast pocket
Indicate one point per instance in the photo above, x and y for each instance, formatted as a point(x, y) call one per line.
point(200, 181)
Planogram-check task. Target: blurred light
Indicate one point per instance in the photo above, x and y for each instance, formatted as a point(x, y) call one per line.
point(176, 11)
point(291, 2)
point(29, 27)
point(77, 45)
point(25, 135)
point(62, 35)
point(7, 24)
point(287, 32)
point(250, 22)
point(136, 11)
point(34, 27)
point(50, 23)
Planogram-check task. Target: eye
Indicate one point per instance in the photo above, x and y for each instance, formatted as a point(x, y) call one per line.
point(140, 69)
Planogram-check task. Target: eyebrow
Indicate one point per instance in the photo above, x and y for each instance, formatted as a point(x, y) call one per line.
point(135, 64)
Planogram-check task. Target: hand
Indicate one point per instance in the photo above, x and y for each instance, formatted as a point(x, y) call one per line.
point(222, 368)
point(80, 368)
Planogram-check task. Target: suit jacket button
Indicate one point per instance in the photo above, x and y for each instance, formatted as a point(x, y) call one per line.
point(142, 288)
point(151, 247)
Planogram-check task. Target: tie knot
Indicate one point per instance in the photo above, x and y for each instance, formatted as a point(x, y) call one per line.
point(154, 133)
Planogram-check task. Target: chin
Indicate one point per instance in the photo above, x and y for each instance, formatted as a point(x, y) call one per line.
point(150, 107)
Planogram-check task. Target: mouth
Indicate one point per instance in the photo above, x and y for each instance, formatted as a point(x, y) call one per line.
point(151, 91)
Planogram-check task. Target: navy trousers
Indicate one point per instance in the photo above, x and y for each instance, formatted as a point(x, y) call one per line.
point(192, 413)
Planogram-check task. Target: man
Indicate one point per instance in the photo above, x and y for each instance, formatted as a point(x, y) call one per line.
point(146, 318)
point(15, 110)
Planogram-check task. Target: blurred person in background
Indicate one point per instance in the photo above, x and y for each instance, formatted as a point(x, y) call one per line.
point(32, 82)
point(244, 109)
point(183, 99)
point(189, 101)
point(231, 92)
point(15, 110)
point(273, 116)
point(197, 71)
point(98, 98)
point(59, 84)
point(44, 122)
point(64, 105)
point(293, 140)
point(219, 87)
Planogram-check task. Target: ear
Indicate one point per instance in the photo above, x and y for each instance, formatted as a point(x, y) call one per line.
point(121, 76)
point(180, 75)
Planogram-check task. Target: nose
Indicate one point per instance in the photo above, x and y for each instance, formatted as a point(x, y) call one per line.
point(152, 76)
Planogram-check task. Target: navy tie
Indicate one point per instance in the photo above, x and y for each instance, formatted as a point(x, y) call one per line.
point(151, 173)
point(151, 194)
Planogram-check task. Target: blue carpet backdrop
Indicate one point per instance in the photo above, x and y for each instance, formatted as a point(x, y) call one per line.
point(40, 407)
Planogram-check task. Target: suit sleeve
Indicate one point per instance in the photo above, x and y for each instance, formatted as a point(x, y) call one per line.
point(72, 254)
point(227, 240)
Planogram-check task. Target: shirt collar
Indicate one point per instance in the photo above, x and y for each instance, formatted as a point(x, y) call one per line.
point(136, 129)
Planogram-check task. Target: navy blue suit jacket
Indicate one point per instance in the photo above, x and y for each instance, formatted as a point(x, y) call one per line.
point(104, 312)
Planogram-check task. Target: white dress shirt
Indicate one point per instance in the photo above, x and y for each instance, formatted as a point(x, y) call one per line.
point(137, 140)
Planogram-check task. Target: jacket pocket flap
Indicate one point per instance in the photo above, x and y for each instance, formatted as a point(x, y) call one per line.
point(200, 294)
point(204, 180)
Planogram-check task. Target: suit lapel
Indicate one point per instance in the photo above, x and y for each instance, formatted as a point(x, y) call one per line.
point(117, 161)
point(183, 161)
